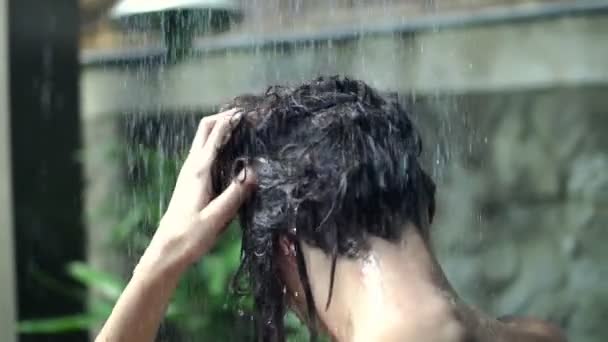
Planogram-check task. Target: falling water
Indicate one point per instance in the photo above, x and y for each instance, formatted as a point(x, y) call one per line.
point(483, 153)
point(280, 41)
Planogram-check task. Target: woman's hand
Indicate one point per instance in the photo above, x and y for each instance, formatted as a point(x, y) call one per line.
point(188, 230)
point(195, 217)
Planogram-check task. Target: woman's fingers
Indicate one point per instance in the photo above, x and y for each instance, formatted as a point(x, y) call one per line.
point(224, 207)
point(205, 126)
point(213, 133)
point(219, 135)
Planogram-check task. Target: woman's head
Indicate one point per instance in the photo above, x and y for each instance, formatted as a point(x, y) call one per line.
point(335, 163)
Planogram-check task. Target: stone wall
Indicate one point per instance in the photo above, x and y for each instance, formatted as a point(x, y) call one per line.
point(523, 198)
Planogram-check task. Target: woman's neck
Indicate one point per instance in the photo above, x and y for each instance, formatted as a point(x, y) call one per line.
point(397, 292)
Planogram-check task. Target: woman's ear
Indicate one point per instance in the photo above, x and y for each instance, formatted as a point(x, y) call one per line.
point(288, 263)
point(288, 266)
point(288, 249)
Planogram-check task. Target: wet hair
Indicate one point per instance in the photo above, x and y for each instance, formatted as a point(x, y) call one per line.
point(336, 163)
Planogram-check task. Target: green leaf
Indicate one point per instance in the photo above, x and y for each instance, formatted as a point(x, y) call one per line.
point(175, 310)
point(59, 324)
point(107, 284)
point(216, 275)
point(100, 307)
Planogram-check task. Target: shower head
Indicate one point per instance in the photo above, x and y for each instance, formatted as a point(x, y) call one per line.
point(177, 21)
point(201, 16)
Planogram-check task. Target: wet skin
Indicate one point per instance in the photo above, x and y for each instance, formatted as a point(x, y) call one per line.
point(398, 292)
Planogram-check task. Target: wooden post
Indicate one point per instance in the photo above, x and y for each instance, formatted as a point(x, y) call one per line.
point(7, 268)
point(46, 168)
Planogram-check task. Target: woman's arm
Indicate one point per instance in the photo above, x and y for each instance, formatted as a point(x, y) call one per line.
point(190, 227)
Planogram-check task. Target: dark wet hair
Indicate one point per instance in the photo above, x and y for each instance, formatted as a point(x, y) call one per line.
point(335, 163)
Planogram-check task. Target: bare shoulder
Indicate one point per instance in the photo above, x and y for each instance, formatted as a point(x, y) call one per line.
point(537, 330)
